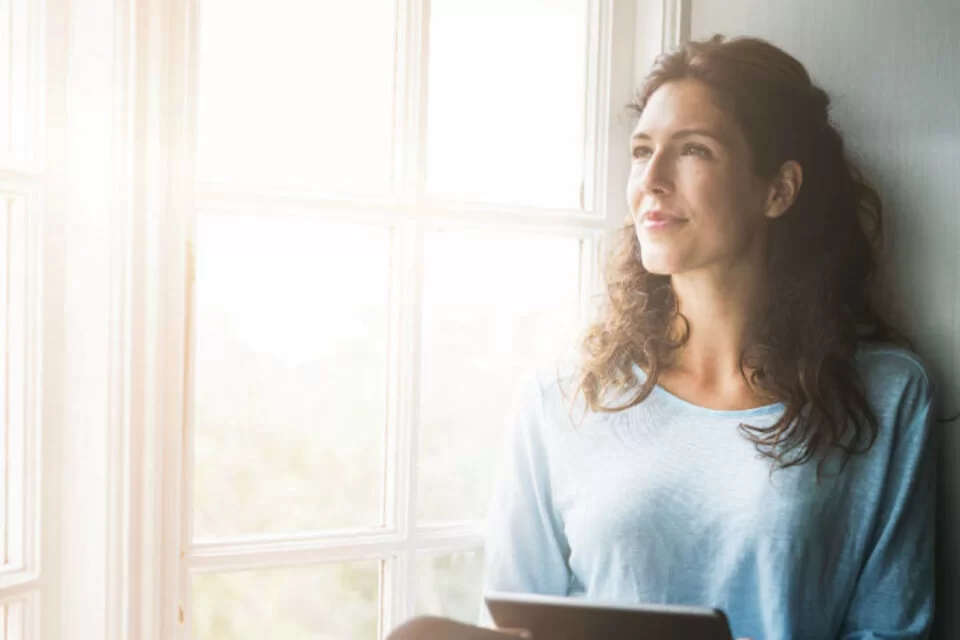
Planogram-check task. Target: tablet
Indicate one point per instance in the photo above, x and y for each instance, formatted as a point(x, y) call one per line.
point(554, 618)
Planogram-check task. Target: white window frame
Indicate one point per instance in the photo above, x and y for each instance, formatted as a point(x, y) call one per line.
point(149, 554)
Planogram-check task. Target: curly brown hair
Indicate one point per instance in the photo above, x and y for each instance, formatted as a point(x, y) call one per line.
point(820, 267)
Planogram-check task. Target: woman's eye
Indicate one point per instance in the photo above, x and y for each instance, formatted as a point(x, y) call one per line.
point(697, 150)
point(641, 152)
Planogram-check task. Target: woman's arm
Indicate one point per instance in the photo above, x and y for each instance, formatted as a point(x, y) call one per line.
point(894, 595)
point(526, 550)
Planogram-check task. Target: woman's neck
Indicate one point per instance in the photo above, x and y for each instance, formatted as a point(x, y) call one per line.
point(718, 308)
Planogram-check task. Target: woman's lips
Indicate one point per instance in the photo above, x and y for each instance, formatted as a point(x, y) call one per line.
point(660, 220)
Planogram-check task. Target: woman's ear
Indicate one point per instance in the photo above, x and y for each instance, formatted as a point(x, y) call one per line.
point(784, 189)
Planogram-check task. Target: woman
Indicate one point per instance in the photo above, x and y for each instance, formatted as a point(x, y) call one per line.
point(741, 431)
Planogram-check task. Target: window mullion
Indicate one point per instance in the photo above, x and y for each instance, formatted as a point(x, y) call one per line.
point(410, 96)
point(392, 605)
point(600, 44)
point(396, 460)
point(588, 186)
point(413, 415)
point(402, 446)
point(398, 598)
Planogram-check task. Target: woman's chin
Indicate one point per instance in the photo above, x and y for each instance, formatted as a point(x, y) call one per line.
point(660, 267)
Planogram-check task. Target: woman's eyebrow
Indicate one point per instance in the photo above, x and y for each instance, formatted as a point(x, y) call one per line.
point(683, 133)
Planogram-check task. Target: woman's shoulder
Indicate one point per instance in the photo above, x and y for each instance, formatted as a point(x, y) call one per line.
point(556, 369)
point(553, 386)
point(553, 380)
point(888, 372)
point(891, 361)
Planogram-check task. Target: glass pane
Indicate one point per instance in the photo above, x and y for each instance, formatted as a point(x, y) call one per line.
point(506, 101)
point(297, 94)
point(291, 371)
point(450, 585)
point(332, 602)
point(495, 306)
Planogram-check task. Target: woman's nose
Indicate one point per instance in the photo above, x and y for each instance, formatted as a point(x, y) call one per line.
point(651, 177)
point(655, 175)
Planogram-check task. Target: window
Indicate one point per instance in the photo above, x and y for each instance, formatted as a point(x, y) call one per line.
point(283, 268)
point(398, 216)
point(21, 177)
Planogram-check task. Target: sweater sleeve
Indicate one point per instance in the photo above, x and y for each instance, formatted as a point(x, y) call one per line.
point(526, 550)
point(894, 595)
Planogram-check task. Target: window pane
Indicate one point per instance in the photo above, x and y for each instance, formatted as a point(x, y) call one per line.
point(297, 94)
point(450, 585)
point(495, 305)
point(332, 602)
point(507, 92)
point(290, 374)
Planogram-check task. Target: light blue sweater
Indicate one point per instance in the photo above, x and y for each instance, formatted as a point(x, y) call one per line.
point(667, 503)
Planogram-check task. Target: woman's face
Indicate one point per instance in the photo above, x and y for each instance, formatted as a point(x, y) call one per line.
point(694, 199)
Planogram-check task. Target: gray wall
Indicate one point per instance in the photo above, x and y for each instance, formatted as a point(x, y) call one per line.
point(892, 68)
